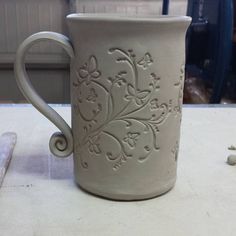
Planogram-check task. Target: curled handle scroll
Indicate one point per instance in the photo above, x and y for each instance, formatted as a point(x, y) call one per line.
point(61, 144)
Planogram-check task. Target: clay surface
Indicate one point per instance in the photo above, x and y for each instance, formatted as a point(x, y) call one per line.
point(127, 76)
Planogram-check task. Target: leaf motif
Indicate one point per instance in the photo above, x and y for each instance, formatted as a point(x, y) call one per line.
point(120, 82)
point(90, 147)
point(154, 77)
point(122, 73)
point(131, 139)
point(111, 50)
point(156, 128)
point(139, 101)
point(129, 123)
point(146, 61)
point(92, 97)
point(96, 148)
point(96, 74)
point(83, 73)
point(131, 142)
point(99, 106)
point(109, 155)
point(143, 94)
point(92, 64)
point(126, 139)
point(147, 148)
point(122, 59)
point(148, 57)
point(128, 97)
point(154, 104)
point(131, 90)
point(110, 79)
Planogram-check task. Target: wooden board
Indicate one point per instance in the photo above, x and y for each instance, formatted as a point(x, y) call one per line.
point(7, 143)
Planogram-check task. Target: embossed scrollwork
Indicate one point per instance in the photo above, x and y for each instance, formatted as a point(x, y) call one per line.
point(129, 113)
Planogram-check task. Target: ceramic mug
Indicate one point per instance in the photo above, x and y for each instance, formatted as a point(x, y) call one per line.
point(126, 80)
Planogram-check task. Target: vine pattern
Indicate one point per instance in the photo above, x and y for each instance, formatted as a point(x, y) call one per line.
point(135, 100)
point(180, 85)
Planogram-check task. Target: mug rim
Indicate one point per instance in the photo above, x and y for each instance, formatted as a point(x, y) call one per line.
point(117, 17)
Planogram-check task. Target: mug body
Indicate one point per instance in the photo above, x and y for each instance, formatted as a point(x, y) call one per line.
point(127, 81)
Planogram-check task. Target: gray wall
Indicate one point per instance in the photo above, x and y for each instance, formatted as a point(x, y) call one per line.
point(47, 63)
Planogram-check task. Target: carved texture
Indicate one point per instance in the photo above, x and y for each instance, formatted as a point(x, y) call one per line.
point(130, 112)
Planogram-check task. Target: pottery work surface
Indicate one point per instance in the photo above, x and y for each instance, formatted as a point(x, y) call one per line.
point(127, 75)
point(39, 197)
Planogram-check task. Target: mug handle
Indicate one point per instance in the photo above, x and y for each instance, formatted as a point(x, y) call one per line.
point(61, 144)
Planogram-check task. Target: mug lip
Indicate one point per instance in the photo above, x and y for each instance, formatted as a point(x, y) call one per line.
point(117, 17)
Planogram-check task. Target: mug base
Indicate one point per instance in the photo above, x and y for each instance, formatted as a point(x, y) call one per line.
point(128, 197)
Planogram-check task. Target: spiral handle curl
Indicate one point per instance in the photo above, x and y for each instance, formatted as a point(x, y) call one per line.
point(61, 144)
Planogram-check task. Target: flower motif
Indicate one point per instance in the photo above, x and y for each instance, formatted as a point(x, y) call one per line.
point(147, 148)
point(156, 128)
point(92, 96)
point(138, 96)
point(93, 146)
point(154, 77)
point(154, 81)
point(89, 70)
point(99, 115)
point(131, 139)
point(154, 104)
point(119, 79)
point(146, 61)
point(131, 53)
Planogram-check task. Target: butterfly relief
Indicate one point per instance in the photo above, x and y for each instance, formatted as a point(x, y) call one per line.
point(141, 112)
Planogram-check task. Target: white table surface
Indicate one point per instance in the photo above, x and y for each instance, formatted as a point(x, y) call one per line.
point(39, 197)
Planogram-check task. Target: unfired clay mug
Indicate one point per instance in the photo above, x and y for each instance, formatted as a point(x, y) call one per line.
point(127, 76)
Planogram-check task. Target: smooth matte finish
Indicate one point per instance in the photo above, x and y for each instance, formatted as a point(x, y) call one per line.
point(127, 76)
point(61, 144)
point(39, 197)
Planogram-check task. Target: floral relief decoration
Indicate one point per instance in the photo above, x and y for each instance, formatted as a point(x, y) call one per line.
point(140, 112)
